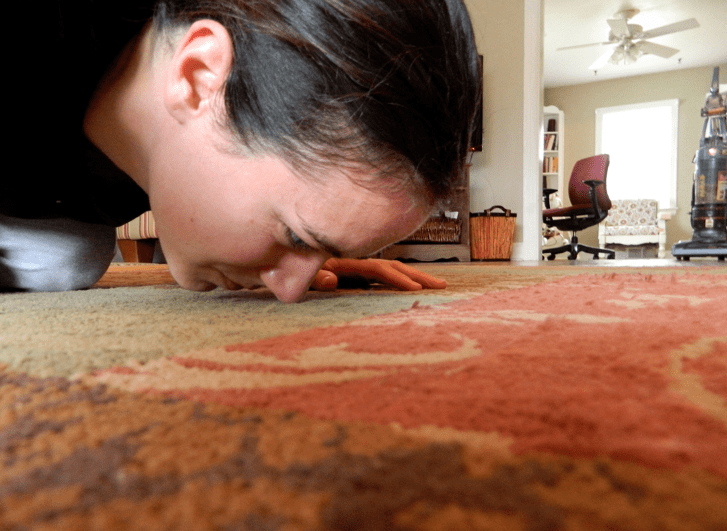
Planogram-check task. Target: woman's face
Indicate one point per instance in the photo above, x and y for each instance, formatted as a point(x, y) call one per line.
point(242, 222)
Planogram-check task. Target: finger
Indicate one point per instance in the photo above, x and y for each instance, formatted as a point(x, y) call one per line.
point(388, 275)
point(391, 272)
point(325, 281)
point(342, 265)
point(425, 279)
point(372, 269)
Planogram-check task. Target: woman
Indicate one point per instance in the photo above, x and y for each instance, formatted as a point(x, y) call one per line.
point(274, 140)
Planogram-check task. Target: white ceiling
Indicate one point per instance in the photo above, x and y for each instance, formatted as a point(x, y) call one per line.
point(573, 22)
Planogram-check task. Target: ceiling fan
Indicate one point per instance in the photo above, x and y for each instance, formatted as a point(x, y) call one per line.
point(629, 40)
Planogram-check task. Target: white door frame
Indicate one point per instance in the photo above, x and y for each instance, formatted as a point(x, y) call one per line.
point(532, 128)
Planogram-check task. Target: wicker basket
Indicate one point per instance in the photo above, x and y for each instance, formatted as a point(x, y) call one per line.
point(439, 229)
point(492, 234)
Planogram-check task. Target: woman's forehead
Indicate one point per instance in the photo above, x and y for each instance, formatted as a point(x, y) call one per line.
point(345, 217)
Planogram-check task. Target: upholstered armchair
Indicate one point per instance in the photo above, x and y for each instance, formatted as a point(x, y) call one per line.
point(634, 222)
point(137, 239)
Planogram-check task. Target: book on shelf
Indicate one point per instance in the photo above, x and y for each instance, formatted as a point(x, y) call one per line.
point(551, 142)
point(550, 164)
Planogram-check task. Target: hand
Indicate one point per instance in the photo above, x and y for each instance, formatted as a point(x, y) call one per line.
point(389, 272)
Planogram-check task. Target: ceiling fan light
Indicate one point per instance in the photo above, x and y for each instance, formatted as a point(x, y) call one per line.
point(631, 56)
point(617, 56)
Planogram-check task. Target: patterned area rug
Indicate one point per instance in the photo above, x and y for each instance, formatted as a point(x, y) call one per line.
point(556, 399)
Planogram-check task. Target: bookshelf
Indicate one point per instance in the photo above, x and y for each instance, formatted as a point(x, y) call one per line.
point(553, 144)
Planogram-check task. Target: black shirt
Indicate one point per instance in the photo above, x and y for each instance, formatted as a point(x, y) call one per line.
point(65, 48)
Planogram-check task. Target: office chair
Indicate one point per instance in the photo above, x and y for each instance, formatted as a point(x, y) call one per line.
point(589, 206)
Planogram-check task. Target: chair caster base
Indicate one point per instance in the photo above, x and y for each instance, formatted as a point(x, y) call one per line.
point(574, 248)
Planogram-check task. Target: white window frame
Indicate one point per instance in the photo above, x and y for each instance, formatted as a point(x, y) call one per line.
point(674, 106)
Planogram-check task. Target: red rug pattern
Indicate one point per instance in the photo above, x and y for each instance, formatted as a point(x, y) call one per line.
point(588, 403)
point(633, 367)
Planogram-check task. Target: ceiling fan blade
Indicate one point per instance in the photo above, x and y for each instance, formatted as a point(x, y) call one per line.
point(601, 61)
point(619, 27)
point(670, 28)
point(656, 49)
point(582, 46)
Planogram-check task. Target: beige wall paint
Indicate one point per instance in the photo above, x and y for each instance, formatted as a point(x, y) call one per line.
point(496, 176)
point(579, 103)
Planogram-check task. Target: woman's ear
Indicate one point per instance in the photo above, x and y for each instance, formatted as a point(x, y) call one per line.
point(198, 70)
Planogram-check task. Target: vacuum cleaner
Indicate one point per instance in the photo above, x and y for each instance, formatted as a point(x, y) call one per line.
point(709, 189)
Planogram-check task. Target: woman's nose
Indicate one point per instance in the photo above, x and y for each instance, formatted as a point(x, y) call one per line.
point(293, 274)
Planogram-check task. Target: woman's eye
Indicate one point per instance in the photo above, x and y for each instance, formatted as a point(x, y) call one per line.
point(296, 242)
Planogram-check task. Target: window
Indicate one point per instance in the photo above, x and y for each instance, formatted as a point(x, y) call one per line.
point(642, 142)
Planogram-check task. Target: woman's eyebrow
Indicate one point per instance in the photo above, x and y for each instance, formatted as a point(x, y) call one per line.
point(322, 241)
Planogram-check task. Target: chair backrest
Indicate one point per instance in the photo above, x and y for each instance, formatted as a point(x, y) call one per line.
point(633, 213)
point(595, 167)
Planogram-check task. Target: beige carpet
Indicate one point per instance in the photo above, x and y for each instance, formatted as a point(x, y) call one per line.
point(62, 334)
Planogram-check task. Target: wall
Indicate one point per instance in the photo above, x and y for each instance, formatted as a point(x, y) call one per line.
point(496, 176)
point(579, 103)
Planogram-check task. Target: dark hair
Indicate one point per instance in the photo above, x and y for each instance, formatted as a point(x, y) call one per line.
point(392, 84)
